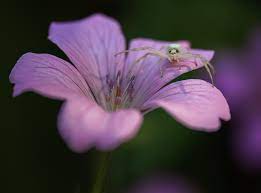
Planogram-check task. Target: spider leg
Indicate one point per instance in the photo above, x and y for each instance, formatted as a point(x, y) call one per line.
point(204, 61)
point(162, 56)
point(209, 72)
point(156, 53)
point(141, 58)
point(161, 48)
point(208, 63)
point(209, 67)
point(134, 49)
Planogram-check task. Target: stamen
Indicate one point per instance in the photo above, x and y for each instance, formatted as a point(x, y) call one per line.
point(116, 94)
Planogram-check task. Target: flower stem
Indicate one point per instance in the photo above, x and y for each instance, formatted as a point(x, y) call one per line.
point(102, 173)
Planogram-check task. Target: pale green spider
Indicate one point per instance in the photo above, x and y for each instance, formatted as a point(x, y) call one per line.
point(174, 53)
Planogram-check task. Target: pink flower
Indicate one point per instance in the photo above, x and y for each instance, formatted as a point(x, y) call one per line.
point(106, 96)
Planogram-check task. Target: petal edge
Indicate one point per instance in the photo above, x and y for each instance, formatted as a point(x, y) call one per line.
point(194, 103)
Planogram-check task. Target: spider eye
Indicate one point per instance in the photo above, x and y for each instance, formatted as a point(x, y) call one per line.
point(173, 51)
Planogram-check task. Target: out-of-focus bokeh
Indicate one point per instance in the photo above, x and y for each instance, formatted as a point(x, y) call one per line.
point(163, 182)
point(238, 77)
point(35, 159)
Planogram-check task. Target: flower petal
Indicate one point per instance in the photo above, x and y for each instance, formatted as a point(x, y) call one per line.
point(195, 103)
point(121, 126)
point(47, 75)
point(158, 72)
point(91, 44)
point(84, 125)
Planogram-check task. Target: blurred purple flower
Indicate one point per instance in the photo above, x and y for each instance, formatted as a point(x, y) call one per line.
point(239, 76)
point(247, 144)
point(107, 96)
point(164, 184)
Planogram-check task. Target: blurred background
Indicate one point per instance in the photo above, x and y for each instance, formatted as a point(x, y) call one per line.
point(35, 159)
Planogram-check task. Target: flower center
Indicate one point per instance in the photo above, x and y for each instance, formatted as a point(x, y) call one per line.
point(118, 94)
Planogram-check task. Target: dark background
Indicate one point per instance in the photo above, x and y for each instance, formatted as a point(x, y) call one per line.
point(35, 159)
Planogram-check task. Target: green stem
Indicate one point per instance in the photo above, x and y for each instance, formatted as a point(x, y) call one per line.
point(102, 173)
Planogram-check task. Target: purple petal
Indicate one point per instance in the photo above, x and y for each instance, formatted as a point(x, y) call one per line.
point(90, 44)
point(47, 75)
point(149, 79)
point(195, 103)
point(121, 126)
point(84, 125)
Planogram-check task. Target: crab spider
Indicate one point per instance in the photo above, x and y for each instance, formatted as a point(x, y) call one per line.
point(174, 53)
